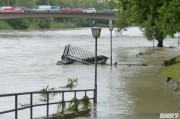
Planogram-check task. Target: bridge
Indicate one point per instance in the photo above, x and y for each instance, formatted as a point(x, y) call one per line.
point(54, 15)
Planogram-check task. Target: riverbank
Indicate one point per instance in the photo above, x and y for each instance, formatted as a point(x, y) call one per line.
point(35, 25)
point(172, 73)
point(49, 23)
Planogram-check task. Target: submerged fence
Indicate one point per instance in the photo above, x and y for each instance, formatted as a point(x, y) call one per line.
point(72, 53)
point(47, 102)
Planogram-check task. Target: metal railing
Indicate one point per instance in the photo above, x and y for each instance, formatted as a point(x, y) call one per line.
point(47, 104)
point(73, 53)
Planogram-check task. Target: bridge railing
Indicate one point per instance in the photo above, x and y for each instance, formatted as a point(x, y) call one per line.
point(47, 103)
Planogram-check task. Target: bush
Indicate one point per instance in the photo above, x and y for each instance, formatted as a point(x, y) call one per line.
point(19, 24)
point(45, 23)
point(4, 25)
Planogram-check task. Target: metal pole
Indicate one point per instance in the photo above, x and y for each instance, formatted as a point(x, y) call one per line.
point(47, 113)
point(95, 92)
point(153, 45)
point(16, 106)
point(178, 39)
point(111, 46)
point(63, 102)
point(31, 104)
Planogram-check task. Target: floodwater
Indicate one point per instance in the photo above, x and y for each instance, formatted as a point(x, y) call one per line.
point(28, 63)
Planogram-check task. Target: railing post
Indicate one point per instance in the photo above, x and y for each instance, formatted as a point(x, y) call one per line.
point(47, 114)
point(63, 102)
point(31, 104)
point(68, 50)
point(74, 94)
point(95, 101)
point(16, 106)
point(85, 93)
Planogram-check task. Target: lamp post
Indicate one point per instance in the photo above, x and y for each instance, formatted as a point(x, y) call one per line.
point(111, 29)
point(178, 38)
point(153, 45)
point(96, 34)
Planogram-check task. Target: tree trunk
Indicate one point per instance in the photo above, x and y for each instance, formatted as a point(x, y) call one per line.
point(160, 43)
point(159, 35)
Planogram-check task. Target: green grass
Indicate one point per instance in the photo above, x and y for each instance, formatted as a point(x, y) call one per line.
point(172, 71)
point(178, 58)
point(4, 25)
point(33, 25)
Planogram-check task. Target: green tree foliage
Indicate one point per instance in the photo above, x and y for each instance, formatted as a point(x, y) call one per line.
point(4, 25)
point(45, 23)
point(19, 23)
point(157, 18)
point(26, 3)
point(170, 14)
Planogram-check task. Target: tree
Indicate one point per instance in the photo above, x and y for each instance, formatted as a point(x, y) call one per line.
point(150, 17)
point(19, 23)
point(45, 23)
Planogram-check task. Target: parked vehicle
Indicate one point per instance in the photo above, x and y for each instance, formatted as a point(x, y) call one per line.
point(65, 10)
point(55, 9)
point(116, 10)
point(106, 11)
point(20, 7)
point(90, 10)
point(77, 10)
point(42, 8)
point(29, 10)
point(10, 9)
point(5, 7)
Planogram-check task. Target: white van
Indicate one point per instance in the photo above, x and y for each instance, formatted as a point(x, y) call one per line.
point(55, 9)
point(42, 8)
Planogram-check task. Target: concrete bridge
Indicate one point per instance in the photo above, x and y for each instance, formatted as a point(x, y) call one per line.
point(53, 15)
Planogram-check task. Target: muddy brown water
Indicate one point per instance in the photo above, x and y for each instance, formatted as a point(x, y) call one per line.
point(28, 63)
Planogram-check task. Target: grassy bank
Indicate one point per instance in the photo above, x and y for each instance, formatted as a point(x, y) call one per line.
point(4, 25)
point(54, 25)
point(172, 71)
point(34, 24)
point(171, 68)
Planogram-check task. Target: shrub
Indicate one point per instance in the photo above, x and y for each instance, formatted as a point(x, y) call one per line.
point(45, 23)
point(19, 23)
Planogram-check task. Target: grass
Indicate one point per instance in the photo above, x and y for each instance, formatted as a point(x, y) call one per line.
point(4, 25)
point(172, 71)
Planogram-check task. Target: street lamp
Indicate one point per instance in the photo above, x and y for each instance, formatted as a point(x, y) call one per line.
point(96, 34)
point(111, 29)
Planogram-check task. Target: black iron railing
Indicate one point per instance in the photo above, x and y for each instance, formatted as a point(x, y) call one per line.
point(73, 53)
point(47, 103)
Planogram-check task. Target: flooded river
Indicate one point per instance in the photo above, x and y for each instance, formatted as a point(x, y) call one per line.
point(28, 63)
